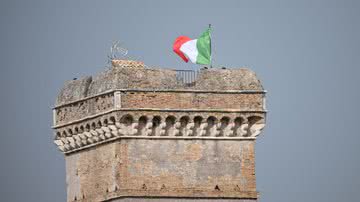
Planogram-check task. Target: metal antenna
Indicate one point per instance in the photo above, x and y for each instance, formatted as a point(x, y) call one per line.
point(117, 51)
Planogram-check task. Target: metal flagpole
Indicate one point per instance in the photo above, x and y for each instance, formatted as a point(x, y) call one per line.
point(210, 46)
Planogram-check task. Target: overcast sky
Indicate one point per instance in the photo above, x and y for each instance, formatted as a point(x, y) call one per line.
point(305, 52)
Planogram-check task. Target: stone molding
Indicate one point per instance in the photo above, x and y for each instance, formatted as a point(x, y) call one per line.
point(116, 193)
point(161, 125)
point(211, 194)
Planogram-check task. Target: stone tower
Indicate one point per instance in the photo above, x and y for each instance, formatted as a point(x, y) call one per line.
point(137, 134)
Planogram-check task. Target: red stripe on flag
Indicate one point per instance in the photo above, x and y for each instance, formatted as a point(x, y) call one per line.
point(178, 43)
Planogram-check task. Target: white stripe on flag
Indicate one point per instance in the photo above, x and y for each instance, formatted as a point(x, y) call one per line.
point(190, 50)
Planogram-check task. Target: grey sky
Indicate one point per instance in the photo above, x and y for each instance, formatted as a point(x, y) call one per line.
point(305, 52)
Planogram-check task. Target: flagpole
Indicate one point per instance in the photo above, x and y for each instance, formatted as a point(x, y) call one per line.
point(210, 46)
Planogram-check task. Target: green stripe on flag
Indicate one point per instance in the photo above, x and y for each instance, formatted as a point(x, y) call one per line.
point(204, 48)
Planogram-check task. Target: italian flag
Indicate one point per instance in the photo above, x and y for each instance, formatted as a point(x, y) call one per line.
point(197, 50)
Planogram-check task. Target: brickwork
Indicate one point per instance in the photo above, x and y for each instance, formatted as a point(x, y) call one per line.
point(180, 168)
point(191, 100)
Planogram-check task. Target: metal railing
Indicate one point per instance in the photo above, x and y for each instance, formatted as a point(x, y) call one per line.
point(187, 76)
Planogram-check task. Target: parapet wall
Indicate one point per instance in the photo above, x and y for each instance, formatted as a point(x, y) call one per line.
point(124, 76)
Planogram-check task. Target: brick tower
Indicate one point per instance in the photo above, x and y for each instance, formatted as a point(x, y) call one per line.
point(133, 133)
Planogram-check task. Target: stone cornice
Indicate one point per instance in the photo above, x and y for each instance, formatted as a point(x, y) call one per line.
point(182, 194)
point(162, 125)
point(103, 117)
point(158, 138)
